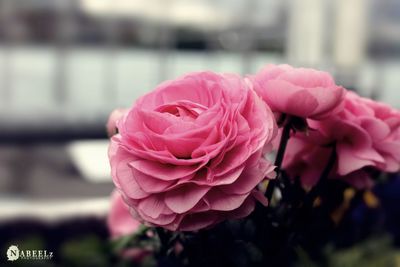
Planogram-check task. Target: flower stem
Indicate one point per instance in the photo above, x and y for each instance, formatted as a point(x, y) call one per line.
point(316, 190)
point(279, 157)
point(162, 235)
point(300, 217)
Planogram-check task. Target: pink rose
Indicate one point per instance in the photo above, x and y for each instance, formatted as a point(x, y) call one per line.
point(189, 154)
point(383, 126)
point(300, 92)
point(113, 119)
point(120, 221)
point(366, 134)
point(307, 161)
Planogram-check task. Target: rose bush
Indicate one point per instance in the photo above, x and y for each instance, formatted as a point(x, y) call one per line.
point(300, 92)
point(190, 154)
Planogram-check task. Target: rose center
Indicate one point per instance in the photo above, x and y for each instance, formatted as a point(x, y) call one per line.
point(183, 109)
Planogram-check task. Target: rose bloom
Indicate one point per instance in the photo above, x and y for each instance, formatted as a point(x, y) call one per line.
point(382, 123)
point(300, 92)
point(366, 135)
point(190, 154)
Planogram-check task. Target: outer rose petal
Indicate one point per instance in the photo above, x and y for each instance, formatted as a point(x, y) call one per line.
point(113, 119)
point(284, 96)
point(120, 221)
point(348, 162)
point(184, 198)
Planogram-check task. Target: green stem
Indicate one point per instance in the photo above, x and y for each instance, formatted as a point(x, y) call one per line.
point(316, 190)
point(279, 157)
point(299, 219)
point(164, 240)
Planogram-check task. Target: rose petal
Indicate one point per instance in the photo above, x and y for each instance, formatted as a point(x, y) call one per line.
point(184, 198)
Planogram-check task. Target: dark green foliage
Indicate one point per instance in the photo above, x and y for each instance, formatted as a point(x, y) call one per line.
point(288, 233)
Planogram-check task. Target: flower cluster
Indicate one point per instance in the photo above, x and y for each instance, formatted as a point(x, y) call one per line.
point(191, 153)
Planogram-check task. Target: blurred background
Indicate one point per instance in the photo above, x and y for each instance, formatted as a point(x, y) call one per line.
point(66, 64)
